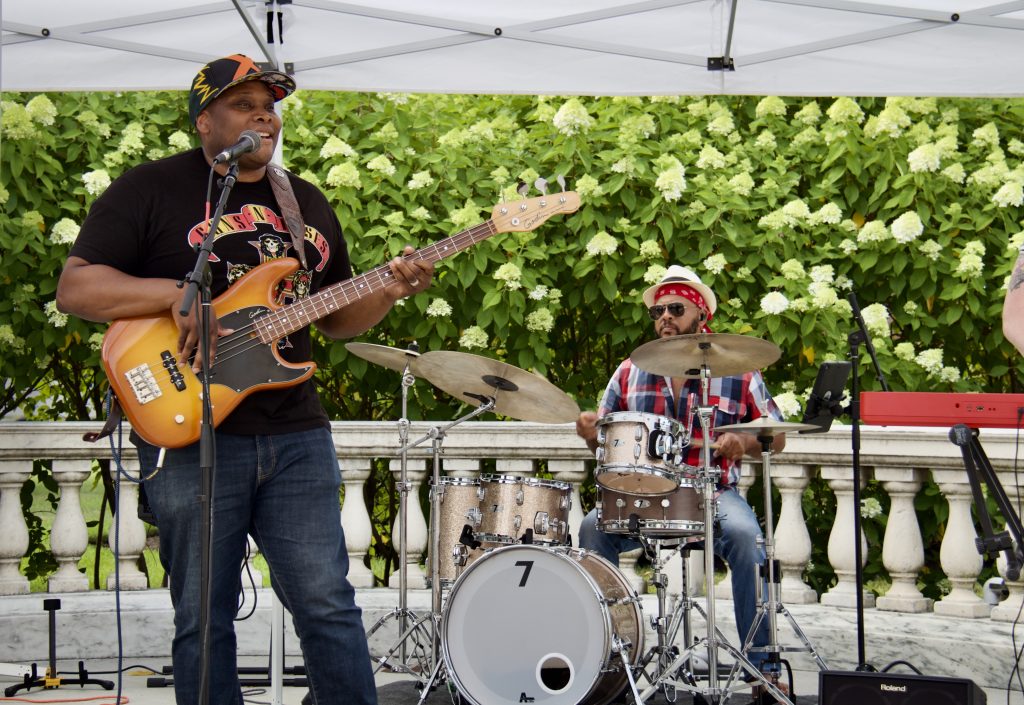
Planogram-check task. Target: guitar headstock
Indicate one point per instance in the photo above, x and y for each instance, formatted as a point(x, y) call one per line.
point(528, 214)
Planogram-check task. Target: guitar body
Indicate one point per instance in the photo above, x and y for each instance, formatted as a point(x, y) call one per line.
point(162, 397)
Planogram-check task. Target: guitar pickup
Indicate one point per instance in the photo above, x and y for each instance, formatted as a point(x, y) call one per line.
point(171, 365)
point(143, 383)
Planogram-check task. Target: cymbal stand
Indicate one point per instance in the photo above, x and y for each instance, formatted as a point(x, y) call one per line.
point(402, 613)
point(770, 605)
point(707, 481)
point(436, 436)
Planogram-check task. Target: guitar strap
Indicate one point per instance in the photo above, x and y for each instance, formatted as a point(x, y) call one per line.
point(282, 188)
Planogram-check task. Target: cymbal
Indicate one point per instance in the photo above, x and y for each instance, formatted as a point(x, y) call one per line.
point(517, 393)
point(392, 358)
point(766, 426)
point(724, 354)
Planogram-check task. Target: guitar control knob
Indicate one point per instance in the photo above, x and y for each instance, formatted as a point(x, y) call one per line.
point(179, 419)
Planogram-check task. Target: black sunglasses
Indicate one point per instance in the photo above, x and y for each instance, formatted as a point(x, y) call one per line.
point(656, 312)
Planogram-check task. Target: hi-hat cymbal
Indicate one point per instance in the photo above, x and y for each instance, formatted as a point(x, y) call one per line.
point(392, 358)
point(766, 426)
point(517, 393)
point(724, 354)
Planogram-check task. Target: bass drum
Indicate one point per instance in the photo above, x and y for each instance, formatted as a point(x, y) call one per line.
point(529, 623)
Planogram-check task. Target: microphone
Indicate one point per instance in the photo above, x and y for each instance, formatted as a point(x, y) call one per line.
point(248, 141)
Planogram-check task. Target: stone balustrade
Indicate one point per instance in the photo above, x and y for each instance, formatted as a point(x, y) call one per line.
point(900, 459)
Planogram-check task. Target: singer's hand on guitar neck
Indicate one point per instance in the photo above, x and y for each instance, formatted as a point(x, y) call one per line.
point(188, 335)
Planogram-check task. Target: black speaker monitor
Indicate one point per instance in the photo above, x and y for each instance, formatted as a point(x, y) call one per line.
point(872, 688)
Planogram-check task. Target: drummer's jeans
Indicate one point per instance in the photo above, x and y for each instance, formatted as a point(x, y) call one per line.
point(282, 490)
point(736, 534)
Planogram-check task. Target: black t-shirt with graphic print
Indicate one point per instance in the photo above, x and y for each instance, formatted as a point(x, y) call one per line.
point(147, 222)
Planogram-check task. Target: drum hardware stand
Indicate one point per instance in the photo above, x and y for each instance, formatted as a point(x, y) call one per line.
point(402, 613)
point(436, 436)
point(707, 481)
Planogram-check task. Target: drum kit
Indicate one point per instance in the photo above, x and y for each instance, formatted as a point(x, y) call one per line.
point(518, 614)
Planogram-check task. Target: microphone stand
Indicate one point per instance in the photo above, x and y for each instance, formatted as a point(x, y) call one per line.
point(200, 282)
point(855, 339)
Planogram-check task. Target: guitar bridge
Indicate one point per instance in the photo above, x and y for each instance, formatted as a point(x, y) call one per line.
point(143, 383)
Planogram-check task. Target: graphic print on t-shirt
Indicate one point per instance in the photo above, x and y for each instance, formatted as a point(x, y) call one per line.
point(254, 235)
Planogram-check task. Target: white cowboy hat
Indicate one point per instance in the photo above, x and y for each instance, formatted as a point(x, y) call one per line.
point(677, 274)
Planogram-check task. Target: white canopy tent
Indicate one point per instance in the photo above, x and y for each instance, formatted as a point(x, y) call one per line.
point(586, 47)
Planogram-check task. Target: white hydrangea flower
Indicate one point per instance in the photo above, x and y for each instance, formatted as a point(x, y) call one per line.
point(509, 274)
point(721, 125)
point(96, 341)
point(845, 110)
point(774, 303)
point(950, 375)
point(538, 293)
point(925, 158)
point(474, 337)
point(848, 246)
point(346, 174)
point(309, 176)
point(776, 220)
point(179, 140)
point(55, 317)
point(65, 231)
point(829, 213)
point(969, 266)
point(421, 179)
point(904, 351)
point(788, 405)
point(602, 244)
point(876, 318)
point(799, 304)
point(336, 147)
point(131, 139)
point(396, 98)
point(797, 210)
point(792, 269)
point(986, 136)
point(4, 195)
point(742, 184)
point(17, 123)
point(930, 249)
point(501, 175)
point(872, 231)
point(891, 121)
point(540, 321)
point(672, 181)
point(955, 173)
point(554, 296)
point(420, 213)
point(806, 136)
point(96, 182)
point(930, 360)
point(911, 307)
point(974, 247)
point(770, 105)
point(395, 220)
point(1015, 147)
point(386, 134)
point(382, 164)
point(1009, 194)
point(654, 274)
point(907, 227)
point(710, 158)
point(42, 110)
point(810, 114)
point(572, 118)
point(466, 216)
point(626, 165)
point(823, 273)
point(765, 140)
point(636, 127)
point(439, 308)
point(587, 186)
point(715, 264)
point(9, 341)
point(822, 295)
point(870, 508)
point(650, 249)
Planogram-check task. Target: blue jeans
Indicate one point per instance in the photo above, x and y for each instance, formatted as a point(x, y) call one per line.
point(283, 490)
point(736, 534)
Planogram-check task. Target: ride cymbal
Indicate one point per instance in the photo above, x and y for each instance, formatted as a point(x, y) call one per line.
point(765, 426)
point(391, 358)
point(517, 393)
point(724, 354)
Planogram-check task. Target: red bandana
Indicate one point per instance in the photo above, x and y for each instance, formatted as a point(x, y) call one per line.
point(690, 294)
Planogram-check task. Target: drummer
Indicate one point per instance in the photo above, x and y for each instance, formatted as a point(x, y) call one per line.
point(681, 304)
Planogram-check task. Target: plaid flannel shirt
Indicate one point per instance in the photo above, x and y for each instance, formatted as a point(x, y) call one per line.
point(736, 399)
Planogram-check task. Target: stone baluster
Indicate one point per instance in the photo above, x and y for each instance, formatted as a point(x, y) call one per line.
point(958, 555)
point(574, 472)
point(355, 519)
point(519, 467)
point(416, 532)
point(792, 540)
point(13, 530)
point(841, 547)
point(69, 537)
point(1009, 609)
point(461, 467)
point(902, 547)
point(131, 537)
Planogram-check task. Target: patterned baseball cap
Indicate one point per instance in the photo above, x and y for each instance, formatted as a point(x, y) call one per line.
point(221, 74)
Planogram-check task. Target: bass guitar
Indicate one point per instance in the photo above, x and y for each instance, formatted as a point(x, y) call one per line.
point(160, 394)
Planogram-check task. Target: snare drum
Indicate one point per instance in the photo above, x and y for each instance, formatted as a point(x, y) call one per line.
point(511, 506)
point(537, 624)
point(676, 514)
point(460, 507)
point(640, 453)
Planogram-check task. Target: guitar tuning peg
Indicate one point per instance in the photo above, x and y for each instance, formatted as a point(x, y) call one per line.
point(541, 184)
point(522, 189)
point(561, 181)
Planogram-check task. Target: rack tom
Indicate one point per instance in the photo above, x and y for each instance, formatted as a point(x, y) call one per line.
point(524, 509)
point(640, 453)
